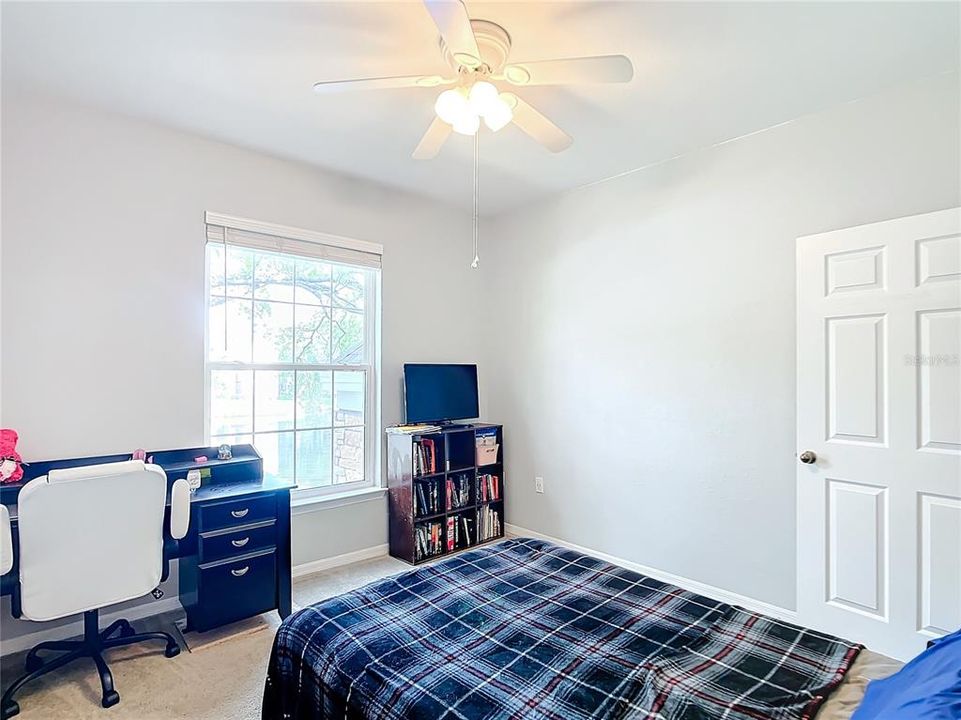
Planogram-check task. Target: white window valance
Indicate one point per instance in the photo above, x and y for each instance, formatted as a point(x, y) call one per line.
point(226, 229)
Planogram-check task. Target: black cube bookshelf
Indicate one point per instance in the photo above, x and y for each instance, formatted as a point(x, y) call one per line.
point(445, 495)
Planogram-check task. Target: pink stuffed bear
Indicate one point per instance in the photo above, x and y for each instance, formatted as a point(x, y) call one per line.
point(11, 469)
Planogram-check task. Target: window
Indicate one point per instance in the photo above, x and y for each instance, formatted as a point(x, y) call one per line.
point(292, 351)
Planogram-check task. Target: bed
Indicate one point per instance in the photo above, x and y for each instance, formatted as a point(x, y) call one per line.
point(528, 629)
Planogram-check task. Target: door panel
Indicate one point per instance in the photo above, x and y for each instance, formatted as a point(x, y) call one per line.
point(879, 404)
point(857, 546)
point(939, 259)
point(854, 270)
point(940, 564)
point(856, 379)
point(939, 379)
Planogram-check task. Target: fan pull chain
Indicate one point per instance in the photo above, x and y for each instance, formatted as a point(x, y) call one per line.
point(476, 259)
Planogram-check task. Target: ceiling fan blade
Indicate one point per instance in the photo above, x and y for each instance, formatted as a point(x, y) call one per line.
point(537, 126)
point(453, 22)
point(433, 139)
point(570, 71)
point(382, 83)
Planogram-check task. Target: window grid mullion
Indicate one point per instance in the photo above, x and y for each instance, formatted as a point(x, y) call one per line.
point(295, 395)
point(253, 404)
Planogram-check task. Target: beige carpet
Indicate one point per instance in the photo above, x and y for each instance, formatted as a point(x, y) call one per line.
point(221, 678)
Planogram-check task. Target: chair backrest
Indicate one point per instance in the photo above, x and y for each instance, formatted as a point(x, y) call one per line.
point(90, 537)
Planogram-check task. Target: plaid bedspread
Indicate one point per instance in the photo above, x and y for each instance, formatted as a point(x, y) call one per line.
point(527, 629)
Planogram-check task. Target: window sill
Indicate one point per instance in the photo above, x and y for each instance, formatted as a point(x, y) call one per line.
point(300, 505)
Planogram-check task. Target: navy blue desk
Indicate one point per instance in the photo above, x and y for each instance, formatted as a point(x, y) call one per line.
point(234, 562)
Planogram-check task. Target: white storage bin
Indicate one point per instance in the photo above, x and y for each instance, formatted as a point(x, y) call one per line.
point(487, 454)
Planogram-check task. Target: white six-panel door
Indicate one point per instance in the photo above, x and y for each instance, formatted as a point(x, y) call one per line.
point(879, 413)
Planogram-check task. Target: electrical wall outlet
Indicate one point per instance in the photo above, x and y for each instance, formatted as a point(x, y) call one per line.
point(539, 484)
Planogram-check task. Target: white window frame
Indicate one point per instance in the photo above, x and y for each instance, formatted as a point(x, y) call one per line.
point(333, 249)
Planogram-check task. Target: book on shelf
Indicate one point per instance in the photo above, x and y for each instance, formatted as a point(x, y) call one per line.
point(458, 532)
point(488, 488)
point(485, 436)
point(488, 524)
point(429, 539)
point(426, 498)
point(458, 491)
point(425, 457)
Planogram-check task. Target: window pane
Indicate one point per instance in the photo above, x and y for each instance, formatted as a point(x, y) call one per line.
point(348, 338)
point(314, 399)
point(277, 449)
point(313, 283)
point(348, 455)
point(273, 332)
point(348, 288)
point(349, 398)
point(274, 409)
point(313, 458)
point(231, 440)
point(312, 342)
point(229, 329)
point(274, 277)
point(215, 269)
point(240, 272)
point(231, 407)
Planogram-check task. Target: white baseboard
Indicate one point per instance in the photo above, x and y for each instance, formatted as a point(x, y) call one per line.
point(44, 632)
point(147, 609)
point(700, 588)
point(316, 566)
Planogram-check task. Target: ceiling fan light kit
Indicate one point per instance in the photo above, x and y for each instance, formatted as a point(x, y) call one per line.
point(463, 109)
point(477, 53)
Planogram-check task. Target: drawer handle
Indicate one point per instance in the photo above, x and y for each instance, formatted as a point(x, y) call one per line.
point(240, 543)
point(240, 513)
point(240, 572)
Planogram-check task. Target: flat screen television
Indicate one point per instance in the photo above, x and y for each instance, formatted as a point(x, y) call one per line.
point(438, 393)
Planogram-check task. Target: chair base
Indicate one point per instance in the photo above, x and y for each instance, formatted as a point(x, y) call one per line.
point(94, 642)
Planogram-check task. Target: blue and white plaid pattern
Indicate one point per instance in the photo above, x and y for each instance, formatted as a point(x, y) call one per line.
point(527, 629)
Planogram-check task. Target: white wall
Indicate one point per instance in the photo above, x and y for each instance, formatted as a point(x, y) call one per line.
point(103, 284)
point(664, 429)
point(643, 334)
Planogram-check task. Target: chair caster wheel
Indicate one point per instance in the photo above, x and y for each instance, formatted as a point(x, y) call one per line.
point(110, 699)
point(9, 710)
point(172, 651)
point(33, 663)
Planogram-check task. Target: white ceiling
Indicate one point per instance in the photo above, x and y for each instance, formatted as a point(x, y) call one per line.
point(242, 73)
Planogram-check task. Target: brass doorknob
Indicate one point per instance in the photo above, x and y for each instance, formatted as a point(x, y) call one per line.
point(808, 457)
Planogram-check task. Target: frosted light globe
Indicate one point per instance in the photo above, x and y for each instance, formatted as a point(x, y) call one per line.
point(482, 98)
point(498, 115)
point(451, 106)
point(467, 124)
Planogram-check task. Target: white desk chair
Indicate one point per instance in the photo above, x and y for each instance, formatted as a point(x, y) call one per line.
point(90, 537)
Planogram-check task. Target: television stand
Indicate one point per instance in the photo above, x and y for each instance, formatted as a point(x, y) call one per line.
point(441, 500)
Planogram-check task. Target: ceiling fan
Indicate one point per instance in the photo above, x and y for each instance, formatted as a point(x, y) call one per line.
point(477, 52)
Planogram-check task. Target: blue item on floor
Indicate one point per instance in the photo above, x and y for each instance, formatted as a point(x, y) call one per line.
point(927, 688)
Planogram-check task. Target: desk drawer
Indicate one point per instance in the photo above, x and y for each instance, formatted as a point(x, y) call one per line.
point(237, 589)
point(213, 516)
point(242, 541)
